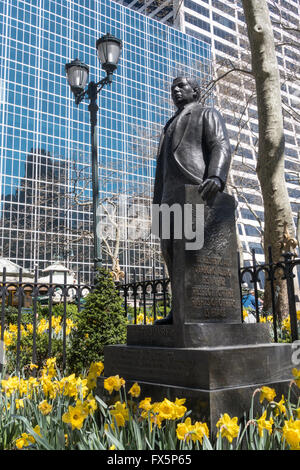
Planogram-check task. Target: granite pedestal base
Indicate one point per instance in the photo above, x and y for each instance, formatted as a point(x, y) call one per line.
point(214, 380)
point(191, 335)
point(206, 405)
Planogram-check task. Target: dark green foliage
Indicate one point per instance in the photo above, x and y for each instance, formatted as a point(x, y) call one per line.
point(58, 310)
point(101, 322)
point(26, 349)
point(11, 315)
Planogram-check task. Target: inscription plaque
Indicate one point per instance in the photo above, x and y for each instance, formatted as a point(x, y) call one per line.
point(207, 279)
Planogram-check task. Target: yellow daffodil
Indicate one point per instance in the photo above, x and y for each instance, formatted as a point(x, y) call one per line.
point(49, 388)
point(135, 390)
point(37, 430)
point(13, 328)
point(291, 433)
point(96, 368)
point(280, 408)
point(10, 385)
point(113, 383)
point(140, 319)
point(19, 403)
point(179, 409)
point(267, 393)
point(45, 407)
point(25, 440)
point(29, 328)
point(8, 338)
point(69, 326)
point(90, 404)
point(228, 427)
point(264, 424)
point(73, 387)
point(43, 326)
point(199, 430)
point(120, 413)
point(146, 404)
point(50, 366)
point(166, 409)
point(286, 324)
point(150, 320)
point(296, 374)
point(184, 430)
point(75, 416)
point(91, 381)
point(113, 447)
point(160, 411)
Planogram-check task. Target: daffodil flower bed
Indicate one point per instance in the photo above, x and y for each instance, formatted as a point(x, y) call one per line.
point(42, 339)
point(52, 412)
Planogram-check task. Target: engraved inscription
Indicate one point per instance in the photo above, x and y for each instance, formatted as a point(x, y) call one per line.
point(210, 288)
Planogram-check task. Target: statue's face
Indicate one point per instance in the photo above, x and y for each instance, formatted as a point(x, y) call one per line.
point(182, 92)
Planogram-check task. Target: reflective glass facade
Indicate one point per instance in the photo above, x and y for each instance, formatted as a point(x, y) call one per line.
point(221, 25)
point(45, 171)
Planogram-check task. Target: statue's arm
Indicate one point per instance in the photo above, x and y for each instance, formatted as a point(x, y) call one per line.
point(216, 146)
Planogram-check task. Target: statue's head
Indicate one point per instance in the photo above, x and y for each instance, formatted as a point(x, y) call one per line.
point(184, 90)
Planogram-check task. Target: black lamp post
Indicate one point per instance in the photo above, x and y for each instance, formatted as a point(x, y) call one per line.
point(109, 50)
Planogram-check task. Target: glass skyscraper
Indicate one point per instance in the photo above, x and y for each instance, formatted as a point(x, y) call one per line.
point(45, 168)
point(221, 25)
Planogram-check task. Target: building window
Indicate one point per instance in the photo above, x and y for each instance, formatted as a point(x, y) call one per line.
point(224, 21)
point(197, 22)
point(197, 35)
point(197, 8)
point(225, 35)
point(226, 49)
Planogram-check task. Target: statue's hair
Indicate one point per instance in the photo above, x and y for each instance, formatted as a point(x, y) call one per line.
point(193, 82)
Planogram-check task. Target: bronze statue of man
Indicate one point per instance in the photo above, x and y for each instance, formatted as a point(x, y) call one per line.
point(194, 149)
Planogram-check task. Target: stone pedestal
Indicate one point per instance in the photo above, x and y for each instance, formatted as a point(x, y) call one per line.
point(207, 356)
point(214, 380)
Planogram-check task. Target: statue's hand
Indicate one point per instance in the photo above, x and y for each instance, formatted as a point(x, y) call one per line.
point(210, 187)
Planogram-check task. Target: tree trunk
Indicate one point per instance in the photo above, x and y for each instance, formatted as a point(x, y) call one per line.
point(270, 162)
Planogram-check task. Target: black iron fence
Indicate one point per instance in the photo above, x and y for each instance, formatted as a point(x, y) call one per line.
point(145, 300)
point(269, 273)
point(28, 297)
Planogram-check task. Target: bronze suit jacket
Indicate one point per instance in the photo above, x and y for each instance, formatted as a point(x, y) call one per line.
point(200, 147)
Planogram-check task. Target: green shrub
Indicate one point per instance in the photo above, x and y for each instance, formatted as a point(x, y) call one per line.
point(101, 322)
point(10, 315)
point(58, 309)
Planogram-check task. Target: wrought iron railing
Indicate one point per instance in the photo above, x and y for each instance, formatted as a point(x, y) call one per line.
point(144, 300)
point(284, 270)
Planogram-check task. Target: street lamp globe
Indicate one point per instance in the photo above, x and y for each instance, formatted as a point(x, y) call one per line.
point(77, 76)
point(109, 51)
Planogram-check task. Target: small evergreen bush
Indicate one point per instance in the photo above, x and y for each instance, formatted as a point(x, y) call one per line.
point(101, 322)
point(58, 309)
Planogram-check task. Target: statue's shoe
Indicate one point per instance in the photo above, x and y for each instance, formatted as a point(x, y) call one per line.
point(168, 320)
